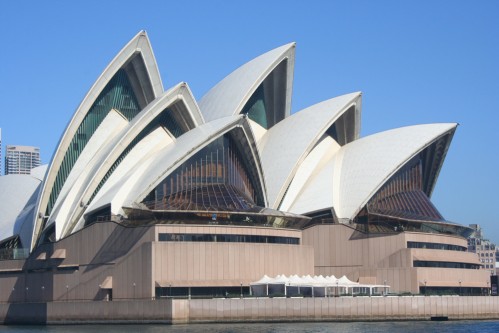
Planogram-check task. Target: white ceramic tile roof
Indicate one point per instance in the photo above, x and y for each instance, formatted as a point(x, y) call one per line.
point(142, 179)
point(181, 94)
point(140, 43)
point(360, 168)
point(285, 145)
point(16, 192)
point(90, 160)
point(128, 169)
point(229, 96)
point(311, 177)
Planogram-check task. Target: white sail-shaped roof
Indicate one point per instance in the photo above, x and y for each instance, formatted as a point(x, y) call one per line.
point(360, 168)
point(167, 103)
point(127, 171)
point(228, 97)
point(90, 159)
point(297, 135)
point(137, 59)
point(128, 135)
point(18, 194)
point(187, 145)
point(143, 177)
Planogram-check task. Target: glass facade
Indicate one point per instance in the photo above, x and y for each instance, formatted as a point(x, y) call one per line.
point(227, 238)
point(267, 105)
point(342, 131)
point(445, 264)
point(12, 249)
point(118, 94)
point(402, 204)
point(255, 107)
point(403, 196)
point(215, 179)
point(435, 246)
point(254, 217)
point(202, 292)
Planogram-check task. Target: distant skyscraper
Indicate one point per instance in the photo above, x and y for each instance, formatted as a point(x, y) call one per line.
point(485, 250)
point(21, 159)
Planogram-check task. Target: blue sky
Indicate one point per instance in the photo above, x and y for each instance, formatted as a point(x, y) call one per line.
point(415, 62)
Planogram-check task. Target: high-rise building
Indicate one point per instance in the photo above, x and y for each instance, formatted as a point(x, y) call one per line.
point(485, 250)
point(21, 159)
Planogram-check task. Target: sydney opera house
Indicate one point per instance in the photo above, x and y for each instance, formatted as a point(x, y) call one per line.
point(152, 193)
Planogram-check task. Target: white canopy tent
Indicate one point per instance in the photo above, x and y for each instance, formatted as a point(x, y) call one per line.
point(317, 286)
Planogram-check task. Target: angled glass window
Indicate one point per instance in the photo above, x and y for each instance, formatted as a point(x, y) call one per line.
point(403, 196)
point(343, 129)
point(118, 95)
point(267, 105)
point(403, 205)
point(215, 178)
point(255, 108)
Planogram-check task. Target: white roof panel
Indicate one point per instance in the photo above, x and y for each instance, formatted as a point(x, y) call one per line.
point(285, 145)
point(360, 168)
point(17, 193)
point(384, 153)
point(229, 96)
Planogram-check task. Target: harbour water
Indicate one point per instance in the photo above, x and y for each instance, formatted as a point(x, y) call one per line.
point(356, 327)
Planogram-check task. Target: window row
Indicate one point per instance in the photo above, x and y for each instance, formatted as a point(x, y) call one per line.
point(443, 264)
point(487, 260)
point(227, 238)
point(435, 246)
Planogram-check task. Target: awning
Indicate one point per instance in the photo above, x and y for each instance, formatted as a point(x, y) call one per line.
point(42, 256)
point(203, 283)
point(437, 255)
point(107, 283)
point(59, 254)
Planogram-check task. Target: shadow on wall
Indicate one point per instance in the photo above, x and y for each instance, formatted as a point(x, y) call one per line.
point(35, 281)
point(118, 244)
point(33, 313)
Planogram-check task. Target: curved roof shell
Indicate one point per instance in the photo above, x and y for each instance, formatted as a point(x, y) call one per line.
point(176, 102)
point(139, 135)
point(91, 158)
point(297, 135)
point(359, 169)
point(143, 178)
point(229, 96)
point(137, 59)
point(186, 146)
point(17, 199)
point(130, 169)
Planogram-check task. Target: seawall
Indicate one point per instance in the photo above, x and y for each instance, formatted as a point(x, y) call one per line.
point(179, 311)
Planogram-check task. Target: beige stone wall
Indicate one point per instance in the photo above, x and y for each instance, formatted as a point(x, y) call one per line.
point(137, 262)
point(251, 309)
point(227, 264)
point(76, 267)
point(342, 309)
point(341, 250)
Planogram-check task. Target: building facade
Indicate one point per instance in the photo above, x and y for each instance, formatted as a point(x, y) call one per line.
point(484, 249)
point(151, 193)
point(19, 160)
